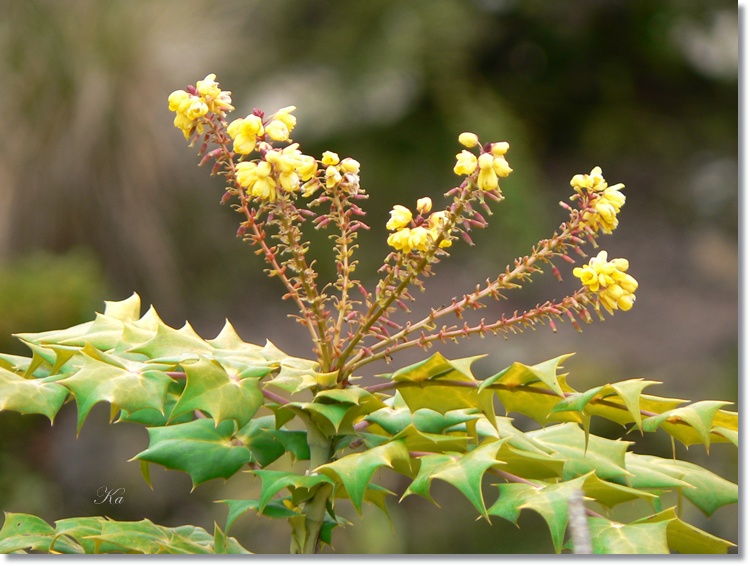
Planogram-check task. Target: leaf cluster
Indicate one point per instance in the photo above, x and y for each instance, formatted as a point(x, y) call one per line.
point(215, 407)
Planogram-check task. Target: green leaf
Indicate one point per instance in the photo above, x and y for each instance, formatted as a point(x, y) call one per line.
point(355, 470)
point(550, 501)
point(97, 381)
point(521, 374)
point(169, 342)
point(605, 457)
point(438, 384)
point(685, 538)
point(27, 396)
point(210, 389)
point(709, 491)
point(21, 532)
point(699, 416)
point(133, 536)
point(238, 507)
point(199, 448)
point(274, 481)
point(609, 537)
point(127, 310)
point(464, 473)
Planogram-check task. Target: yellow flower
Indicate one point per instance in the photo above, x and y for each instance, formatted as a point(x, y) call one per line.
point(333, 177)
point(435, 224)
point(277, 130)
point(615, 288)
point(187, 108)
point(179, 100)
point(466, 163)
point(257, 179)
point(285, 115)
point(400, 217)
point(245, 133)
point(419, 239)
point(500, 148)
point(467, 139)
point(400, 240)
point(330, 158)
point(606, 205)
point(591, 182)
point(487, 178)
point(424, 205)
point(218, 101)
point(307, 167)
point(349, 165)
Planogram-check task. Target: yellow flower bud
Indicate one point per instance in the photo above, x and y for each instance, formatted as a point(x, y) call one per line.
point(284, 115)
point(500, 148)
point(400, 217)
point(245, 133)
point(349, 165)
point(501, 167)
point(333, 177)
point(277, 130)
point(330, 158)
point(467, 139)
point(307, 167)
point(400, 240)
point(424, 205)
point(466, 163)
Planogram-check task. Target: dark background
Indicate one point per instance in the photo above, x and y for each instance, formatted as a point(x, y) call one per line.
point(99, 197)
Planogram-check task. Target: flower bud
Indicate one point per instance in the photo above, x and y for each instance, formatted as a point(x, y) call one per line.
point(424, 205)
point(468, 139)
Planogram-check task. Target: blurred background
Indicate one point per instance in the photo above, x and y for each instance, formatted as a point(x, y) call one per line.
point(100, 197)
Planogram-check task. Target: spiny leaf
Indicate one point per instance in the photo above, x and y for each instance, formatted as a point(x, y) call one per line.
point(27, 396)
point(699, 416)
point(606, 457)
point(464, 473)
point(199, 448)
point(685, 538)
point(98, 381)
point(274, 481)
point(550, 501)
point(21, 531)
point(709, 491)
point(355, 470)
point(521, 374)
point(238, 507)
point(609, 537)
point(127, 310)
point(210, 389)
point(169, 342)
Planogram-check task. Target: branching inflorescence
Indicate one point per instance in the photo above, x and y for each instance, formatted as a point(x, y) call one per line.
point(278, 190)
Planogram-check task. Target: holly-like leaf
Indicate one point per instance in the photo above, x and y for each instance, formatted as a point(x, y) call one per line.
point(464, 473)
point(199, 448)
point(685, 538)
point(609, 537)
point(238, 507)
point(550, 501)
point(355, 470)
point(605, 457)
point(709, 491)
point(28, 396)
point(21, 532)
point(699, 416)
point(274, 481)
point(441, 385)
point(169, 342)
point(97, 381)
point(210, 389)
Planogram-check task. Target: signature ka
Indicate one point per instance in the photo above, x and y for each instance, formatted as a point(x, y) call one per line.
point(112, 496)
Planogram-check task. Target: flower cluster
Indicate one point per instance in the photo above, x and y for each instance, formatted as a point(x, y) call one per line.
point(616, 289)
point(416, 233)
point(605, 201)
point(490, 164)
point(286, 168)
point(249, 132)
point(192, 104)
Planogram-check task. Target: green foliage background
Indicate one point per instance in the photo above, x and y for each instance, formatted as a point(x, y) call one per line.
point(646, 89)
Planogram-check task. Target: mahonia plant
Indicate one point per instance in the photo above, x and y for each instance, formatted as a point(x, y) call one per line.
point(215, 407)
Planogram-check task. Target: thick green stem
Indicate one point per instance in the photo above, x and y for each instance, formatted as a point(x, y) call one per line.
point(306, 529)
